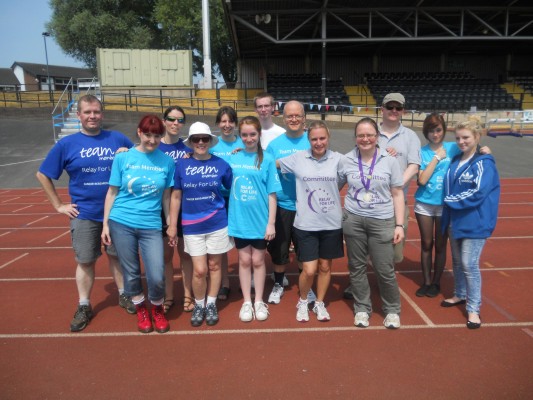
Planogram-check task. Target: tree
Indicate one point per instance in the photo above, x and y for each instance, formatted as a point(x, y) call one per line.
point(82, 26)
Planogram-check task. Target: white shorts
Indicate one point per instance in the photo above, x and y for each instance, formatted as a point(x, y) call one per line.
point(428, 209)
point(217, 242)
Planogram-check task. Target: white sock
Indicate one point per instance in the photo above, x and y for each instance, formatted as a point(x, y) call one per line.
point(211, 300)
point(200, 302)
point(137, 302)
point(84, 302)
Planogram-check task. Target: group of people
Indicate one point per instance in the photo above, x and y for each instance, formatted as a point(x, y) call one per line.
point(262, 188)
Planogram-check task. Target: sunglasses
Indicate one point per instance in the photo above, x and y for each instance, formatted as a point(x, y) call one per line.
point(172, 119)
point(397, 108)
point(198, 139)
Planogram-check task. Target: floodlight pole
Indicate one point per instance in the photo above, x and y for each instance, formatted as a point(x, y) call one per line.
point(208, 80)
point(45, 35)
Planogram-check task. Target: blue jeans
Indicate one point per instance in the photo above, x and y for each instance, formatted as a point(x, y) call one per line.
point(127, 242)
point(466, 274)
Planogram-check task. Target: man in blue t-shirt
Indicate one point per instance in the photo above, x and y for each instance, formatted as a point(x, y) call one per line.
point(87, 157)
point(293, 140)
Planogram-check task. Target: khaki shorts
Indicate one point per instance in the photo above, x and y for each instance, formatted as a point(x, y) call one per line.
point(217, 242)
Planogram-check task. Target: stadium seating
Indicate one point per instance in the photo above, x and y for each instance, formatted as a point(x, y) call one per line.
point(442, 91)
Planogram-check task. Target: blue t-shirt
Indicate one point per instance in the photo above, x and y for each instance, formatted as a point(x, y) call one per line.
point(141, 178)
point(224, 150)
point(87, 160)
point(202, 205)
point(284, 146)
point(248, 206)
point(175, 150)
point(433, 192)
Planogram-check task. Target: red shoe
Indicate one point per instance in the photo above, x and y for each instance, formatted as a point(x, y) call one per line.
point(160, 321)
point(144, 323)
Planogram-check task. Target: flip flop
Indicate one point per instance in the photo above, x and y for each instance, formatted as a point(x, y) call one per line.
point(223, 293)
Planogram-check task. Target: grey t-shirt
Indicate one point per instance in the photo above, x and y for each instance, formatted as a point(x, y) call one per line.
point(377, 201)
point(318, 201)
point(407, 146)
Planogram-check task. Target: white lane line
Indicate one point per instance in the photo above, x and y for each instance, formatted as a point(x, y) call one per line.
point(6, 233)
point(57, 237)
point(21, 162)
point(417, 309)
point(37, 192)
point(11, 198)
point(253, 331)
point(23, 208)
point(37, 220)
point(13, 260)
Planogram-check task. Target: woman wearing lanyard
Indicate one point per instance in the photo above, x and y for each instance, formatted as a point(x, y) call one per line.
point(318, 221)
point(370, 228)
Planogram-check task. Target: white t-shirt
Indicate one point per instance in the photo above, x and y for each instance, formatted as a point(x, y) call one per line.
point(267, 135)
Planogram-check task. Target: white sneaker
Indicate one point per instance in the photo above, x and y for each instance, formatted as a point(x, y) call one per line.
point(302, 315)
point(247, 312)
point(392, 321)
point(285, 280)
point(261, 311)
point(361, 319)
point(311, 296)
point(276, 294)
point(320, 310)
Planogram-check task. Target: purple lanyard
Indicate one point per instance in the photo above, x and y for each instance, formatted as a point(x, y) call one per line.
point(366, 181)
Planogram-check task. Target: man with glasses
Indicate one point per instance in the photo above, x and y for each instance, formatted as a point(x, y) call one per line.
point(294, 139)
point(264, 104)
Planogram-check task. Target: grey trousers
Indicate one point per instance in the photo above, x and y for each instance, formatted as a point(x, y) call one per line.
point(372, 237)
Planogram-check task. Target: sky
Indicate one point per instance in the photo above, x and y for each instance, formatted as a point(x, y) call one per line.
point(23, 23)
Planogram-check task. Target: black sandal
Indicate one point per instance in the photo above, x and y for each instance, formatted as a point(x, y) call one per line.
point(223, 293)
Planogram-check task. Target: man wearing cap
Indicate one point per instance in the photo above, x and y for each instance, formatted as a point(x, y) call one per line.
point(405, 142)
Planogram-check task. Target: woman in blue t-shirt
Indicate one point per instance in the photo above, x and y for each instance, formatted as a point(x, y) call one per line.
point(172, 145)
point(252, 214)
point(139, 188)
point(228, 142)
point(197, 193)
point(436, 157)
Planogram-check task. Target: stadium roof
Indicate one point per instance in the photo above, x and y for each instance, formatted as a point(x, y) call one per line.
point(279, 28)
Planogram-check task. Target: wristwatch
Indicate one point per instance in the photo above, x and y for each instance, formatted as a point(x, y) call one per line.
point(401, 226)
point(437, 157)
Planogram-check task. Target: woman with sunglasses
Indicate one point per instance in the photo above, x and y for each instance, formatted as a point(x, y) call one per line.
point(173, 146)
point(252, 215)
point(228, 142)
point(139, 189)
point(197, 193)
point(373, 221)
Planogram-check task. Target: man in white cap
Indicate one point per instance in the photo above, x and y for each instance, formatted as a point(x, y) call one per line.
point(406, 144)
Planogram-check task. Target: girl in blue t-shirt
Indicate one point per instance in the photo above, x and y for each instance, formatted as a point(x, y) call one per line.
point(228, 142)
point(139, 188)
point(252, 214)
point(436, 157)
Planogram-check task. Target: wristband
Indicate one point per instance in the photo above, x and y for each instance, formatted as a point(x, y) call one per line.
point(437, 157)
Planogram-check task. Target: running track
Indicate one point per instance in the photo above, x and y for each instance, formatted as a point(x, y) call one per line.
point(433, 355)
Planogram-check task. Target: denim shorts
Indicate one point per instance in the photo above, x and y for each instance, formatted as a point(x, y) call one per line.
point(87, 241)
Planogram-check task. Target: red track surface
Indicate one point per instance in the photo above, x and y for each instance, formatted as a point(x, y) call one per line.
point(432, 356)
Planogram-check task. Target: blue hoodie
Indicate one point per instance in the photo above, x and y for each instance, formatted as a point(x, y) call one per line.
point(471, 197)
